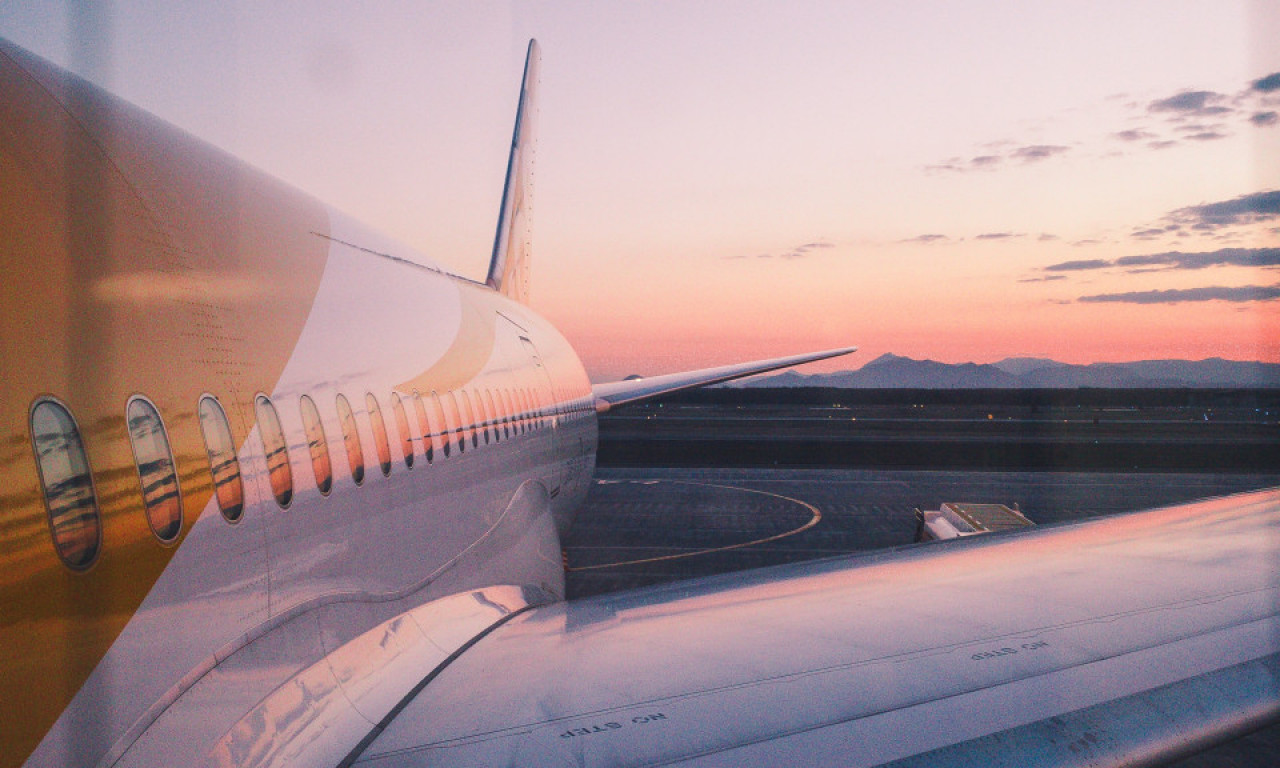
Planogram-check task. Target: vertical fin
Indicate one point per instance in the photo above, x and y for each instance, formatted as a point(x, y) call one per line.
point(509, 267)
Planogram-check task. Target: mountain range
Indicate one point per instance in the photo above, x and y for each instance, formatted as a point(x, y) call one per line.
point(893, 371)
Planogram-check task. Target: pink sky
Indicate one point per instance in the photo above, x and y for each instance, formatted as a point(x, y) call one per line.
point(725, 181)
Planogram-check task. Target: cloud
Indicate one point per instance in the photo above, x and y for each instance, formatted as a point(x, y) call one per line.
point(1246, 209)
point(1162, 144)
point(930, 238)
point(1188, 103)
point(1044, 279)
point(983, 161)
point(997, 235)
point(1133, 134)
point(1036, 152)
point(798, 252)
point(1207, 136)
point(1234, 294)
point(1046, 237)
point(1267, 84)
point(1148, 233)
point(1264, 118)
point(1224, 257)
point(1078, 265)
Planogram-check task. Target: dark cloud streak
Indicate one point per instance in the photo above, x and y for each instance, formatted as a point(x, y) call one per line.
point(1234, 294)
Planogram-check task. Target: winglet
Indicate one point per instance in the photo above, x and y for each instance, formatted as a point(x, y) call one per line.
point(509, 267)
point(619, 393)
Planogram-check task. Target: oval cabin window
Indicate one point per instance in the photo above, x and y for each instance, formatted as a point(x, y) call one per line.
point(223, 464)
point(424, 427)
point(441, 424)
point(469, 420)
point(161, 498)
point(402, 424)
point(454, 414)
point(67, 483)
point(351, 438)
point(379, 433)
point(275, 450)
point(316, 444)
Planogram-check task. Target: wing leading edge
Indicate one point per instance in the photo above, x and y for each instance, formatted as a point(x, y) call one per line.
point(1128, 640)
point(618, 393)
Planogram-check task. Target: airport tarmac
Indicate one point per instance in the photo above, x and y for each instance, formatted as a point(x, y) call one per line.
point(642, 526)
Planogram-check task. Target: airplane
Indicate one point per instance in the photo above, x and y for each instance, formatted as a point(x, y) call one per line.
point(277, 490)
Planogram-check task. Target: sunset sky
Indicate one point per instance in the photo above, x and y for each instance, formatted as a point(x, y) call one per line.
point(1089, 181)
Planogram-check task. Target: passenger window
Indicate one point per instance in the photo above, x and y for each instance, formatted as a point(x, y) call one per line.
point(379, 433)
point(223, 464)
point(441, 423)
point(402, 424)
point(275, 450)
point(68, 485)
point(484, 415)
point(161, 498)
point(469, 419)
point(504, 395)
point(455, 417)
point(424, 427)
point(351, 437)
point(493, 415)
point(317, 444)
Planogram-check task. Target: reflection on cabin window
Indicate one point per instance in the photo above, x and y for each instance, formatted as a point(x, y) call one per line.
point(402, 424)
point(483, 415)
point(455, 416)
point(379, 433)
point(68, 485)
point(424, 427)
point(317, 444)
point(492, 416)
point(351, 437)
point(442, 422)
point(160, 495)
point(504, 398)
point(469, 419)
point(223, 464)
point(275, 450)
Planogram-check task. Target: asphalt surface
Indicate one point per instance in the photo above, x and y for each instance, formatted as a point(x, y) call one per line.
point(642, 526)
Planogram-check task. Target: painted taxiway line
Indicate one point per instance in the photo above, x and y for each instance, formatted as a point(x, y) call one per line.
point(814, 520)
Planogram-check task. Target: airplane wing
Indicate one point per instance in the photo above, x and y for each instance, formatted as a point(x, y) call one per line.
point(1129, 640)
point(618, 393)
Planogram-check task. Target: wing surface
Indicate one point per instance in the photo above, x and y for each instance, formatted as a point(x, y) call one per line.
point(618, 393)
point(1127, 640)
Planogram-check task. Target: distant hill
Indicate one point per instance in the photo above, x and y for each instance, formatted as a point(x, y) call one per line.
point(892, 371)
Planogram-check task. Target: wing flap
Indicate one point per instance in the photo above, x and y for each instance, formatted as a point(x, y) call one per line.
point(618, 393)
point(1086, 631)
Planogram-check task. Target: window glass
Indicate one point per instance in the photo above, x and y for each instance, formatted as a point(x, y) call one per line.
point(441, 423)
point(469, 419)
point(317, 444)
point(504, 397)
point(68, 485)
point(161, 498)
point(454, 414)
point(223, 464)
point(275, 450)
point(402, 424)
point(493, 414)
point(351, 437)
point(483, 414)
point(424, 427)
point(379, 433)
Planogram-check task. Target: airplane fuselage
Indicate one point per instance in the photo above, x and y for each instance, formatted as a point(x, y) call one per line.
point(144, 293)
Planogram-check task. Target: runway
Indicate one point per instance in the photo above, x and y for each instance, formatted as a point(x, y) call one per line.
point(642, 526)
